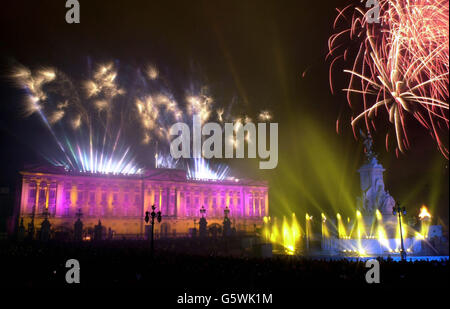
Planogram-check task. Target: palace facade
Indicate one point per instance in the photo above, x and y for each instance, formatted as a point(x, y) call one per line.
point(120, 201)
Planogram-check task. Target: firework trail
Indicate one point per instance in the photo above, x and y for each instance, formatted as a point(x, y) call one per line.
point(400, 64)
point(99, 123)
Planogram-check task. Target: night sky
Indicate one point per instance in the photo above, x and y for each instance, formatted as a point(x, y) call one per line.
point(261, 54)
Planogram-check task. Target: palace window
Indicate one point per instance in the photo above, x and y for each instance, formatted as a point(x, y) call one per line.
point(31, 195)
point(67, 196)
point(125, 210)
point(66, 210)
point(172, 204)
point(91, 210)
point(103, 198)
point(80, 197)
point(52, 201)
point(188, 205)
point(136, 210)
point(92, 198)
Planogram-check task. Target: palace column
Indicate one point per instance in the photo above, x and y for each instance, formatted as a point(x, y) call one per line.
point(266, 203)
point(168, 206)
point(181, 204)
point(229, 201)
point(258, 204)
point(232, 203)
point(157, 197)
point(143, 205)
point(152, 196)
point(24, 197)
point(47, 194)
point(159, 208)
point(73, 198)
point(253, 203)
point(59, 198)
point(52, 202)
point(245, 205)
point(217, 197)
point(177, 202)
point(36, 201)
point(209, 205)
point(239, 205)
point(98, 200)
point(146, 198)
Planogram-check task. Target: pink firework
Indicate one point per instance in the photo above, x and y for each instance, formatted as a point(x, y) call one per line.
point(400, 65)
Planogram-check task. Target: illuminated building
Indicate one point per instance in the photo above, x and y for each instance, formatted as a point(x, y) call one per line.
point(120, 201)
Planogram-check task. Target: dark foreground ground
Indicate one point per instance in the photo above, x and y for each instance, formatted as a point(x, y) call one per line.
point(189, 263)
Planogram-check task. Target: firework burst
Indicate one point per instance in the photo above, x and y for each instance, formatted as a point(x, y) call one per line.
point(98, 128)
point(400, 65)
point(89, 141)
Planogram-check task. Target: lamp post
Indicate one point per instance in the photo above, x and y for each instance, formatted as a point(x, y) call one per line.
point(153, 214)
point(226, 212)
point(203, 211)
point(397, 210)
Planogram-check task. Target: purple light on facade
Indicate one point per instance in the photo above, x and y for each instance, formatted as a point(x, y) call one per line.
point(120, 201)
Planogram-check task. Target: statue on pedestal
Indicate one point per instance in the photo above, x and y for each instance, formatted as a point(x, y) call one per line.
point(368, 143)
point(374, 196)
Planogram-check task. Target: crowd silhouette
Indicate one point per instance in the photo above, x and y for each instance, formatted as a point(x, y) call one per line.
point(195, 263)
